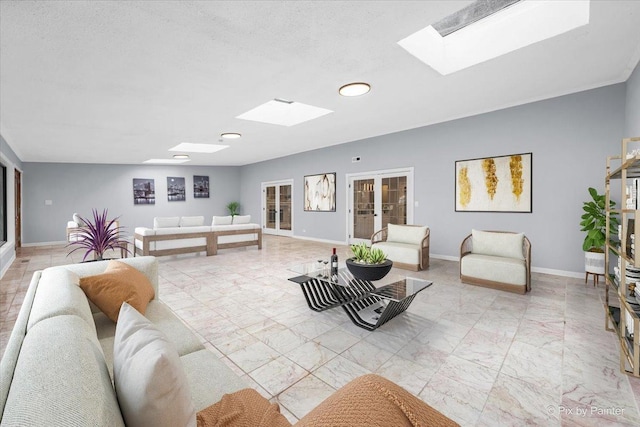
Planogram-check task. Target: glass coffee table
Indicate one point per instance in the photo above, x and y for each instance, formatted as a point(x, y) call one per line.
point(369, 305)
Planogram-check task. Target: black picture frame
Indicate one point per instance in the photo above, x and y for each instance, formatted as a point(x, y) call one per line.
point(494, 184)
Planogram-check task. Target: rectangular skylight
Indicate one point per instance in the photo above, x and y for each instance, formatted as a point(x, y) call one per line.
point(510, 29)
point(284, 113)
point(166, 161)
point(189, 147)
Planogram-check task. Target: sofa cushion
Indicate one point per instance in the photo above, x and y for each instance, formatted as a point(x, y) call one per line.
point(209, 378)
point(496, 269)
point(222, 220)
point(61, 378)
point(507, 245)
point(241, 219)
point(191, 221)
point(163, 319)
point(164, 222)
point(150, 382)
point(119, 283)
point(400, 252)
point(59, 293)
point(406, 234)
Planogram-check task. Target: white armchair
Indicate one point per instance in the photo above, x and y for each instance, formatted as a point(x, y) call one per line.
point(406, 245)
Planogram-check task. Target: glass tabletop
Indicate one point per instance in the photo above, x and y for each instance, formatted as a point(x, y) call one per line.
point(394, 286)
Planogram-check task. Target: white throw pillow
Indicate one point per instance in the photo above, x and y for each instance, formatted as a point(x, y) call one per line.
point(222, 220)
point(166, 222)
point(78, 220)
point(191, 221)
point(150, 382)
point(242, 219)
point(406, 234)
point(508, 245)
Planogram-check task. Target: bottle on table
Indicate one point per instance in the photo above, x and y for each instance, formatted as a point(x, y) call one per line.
point(334, 265)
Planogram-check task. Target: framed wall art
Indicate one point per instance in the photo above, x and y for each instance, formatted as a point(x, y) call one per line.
point(175, 189)
point(144, 191)
point(494, 184)
point(200, 187)
point(320, 192)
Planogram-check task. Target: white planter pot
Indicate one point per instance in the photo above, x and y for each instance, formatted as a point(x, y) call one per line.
point(594, 262)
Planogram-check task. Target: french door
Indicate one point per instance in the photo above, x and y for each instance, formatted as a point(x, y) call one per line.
point(277, 203)
point(377, 199)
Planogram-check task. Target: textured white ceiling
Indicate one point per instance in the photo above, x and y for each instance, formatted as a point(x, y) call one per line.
point(122, 82)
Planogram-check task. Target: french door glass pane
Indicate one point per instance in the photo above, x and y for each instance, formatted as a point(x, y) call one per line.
point(271, 207)
point(363, 208)
point(394, 200)
point(285, 207)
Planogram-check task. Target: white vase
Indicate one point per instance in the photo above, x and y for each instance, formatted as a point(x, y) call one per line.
point(594, 262)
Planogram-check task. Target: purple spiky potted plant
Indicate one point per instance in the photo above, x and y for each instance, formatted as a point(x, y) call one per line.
point(98, 236)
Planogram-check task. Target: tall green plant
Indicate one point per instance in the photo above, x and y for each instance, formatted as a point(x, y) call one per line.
point(594, 222)
point(234, 208)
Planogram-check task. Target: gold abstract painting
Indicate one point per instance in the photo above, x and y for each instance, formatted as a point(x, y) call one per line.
point(494, 184)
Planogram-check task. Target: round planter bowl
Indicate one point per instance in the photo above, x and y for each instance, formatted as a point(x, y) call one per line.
point(369, 272)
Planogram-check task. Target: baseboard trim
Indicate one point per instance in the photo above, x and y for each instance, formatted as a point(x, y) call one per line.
point(61, 242)
point(445, 257)
point(314, 239)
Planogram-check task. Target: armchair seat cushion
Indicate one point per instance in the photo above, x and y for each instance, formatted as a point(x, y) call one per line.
point(495, 269)
point(405, 253)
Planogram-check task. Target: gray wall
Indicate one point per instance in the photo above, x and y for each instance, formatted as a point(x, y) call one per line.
point(570, 138)
point(82, 187)
point(632, 127)
point(9, 159)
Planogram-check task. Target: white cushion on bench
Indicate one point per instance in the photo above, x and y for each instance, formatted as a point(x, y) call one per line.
point(241, 219)
point(496, 269)
point(508, 245)
point(191, 221)
point(222, 220)
point(164, 222)
point(406, 234)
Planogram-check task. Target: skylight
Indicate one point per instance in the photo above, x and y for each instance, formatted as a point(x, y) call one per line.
point(512, 28)
point(189, 147)
point(284, 113)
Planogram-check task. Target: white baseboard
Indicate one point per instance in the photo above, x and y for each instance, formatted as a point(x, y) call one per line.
point(445, 257)
point(542, 270)
point(563, 273)
point(62, 242)
point(313, 239)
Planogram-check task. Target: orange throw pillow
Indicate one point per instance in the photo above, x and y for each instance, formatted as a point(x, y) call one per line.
point(119, 283)
point(244, 408)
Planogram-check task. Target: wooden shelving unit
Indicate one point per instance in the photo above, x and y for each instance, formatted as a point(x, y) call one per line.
point(622, 310)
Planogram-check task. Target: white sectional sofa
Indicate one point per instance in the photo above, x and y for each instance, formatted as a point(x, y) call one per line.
point(58, 363)
point(496, 259)
point(179, 235)
point(406, 245)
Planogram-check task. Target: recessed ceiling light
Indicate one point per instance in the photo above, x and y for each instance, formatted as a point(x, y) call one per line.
point(166, 161)
point(284, 113)
point(189, 147)
point(231, 135)
point(180, 156)
point(354, 89)
point(519, 25)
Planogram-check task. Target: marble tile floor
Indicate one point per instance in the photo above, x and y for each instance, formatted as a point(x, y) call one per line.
point(482, 357)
